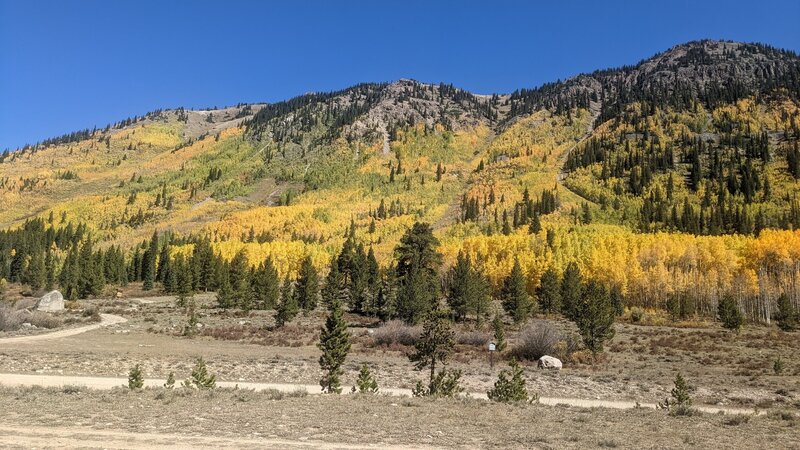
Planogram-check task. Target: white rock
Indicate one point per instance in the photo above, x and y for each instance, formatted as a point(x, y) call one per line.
point(52, 301)
point(548, 362)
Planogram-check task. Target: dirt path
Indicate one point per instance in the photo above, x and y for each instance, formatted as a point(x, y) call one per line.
point(14, 379)
point(105, 320)
point(19, 435)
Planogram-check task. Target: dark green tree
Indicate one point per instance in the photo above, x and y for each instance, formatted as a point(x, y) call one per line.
point(307, 288)
point(729, 313)
point(417, 269)
point(787, 316)
point(433, 347)
point(594, 316)
point(510, 385)
point(334, 341)
point(549, 292)
point(288, 308)
point(570, 290)
point(516, 301)
point(265, 286)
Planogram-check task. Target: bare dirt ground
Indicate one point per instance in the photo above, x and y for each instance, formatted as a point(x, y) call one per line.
point(228, 418)
point(726, 370)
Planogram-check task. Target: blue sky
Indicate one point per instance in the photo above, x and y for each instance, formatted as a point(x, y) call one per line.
point(68, 65)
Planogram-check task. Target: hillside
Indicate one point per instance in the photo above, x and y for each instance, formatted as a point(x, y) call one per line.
point(699, 140)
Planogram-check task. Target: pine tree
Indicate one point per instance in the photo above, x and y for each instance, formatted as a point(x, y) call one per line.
point(681, 402)
point(417, 273)
point(36, 272)
point(201, 378)
point(288, 308)
point(459, 286)
point(787, 316)
point(570, 290)
point(135, 378)
point(516, 301)
point(499, 333)
point(149, 261)
point(729, 313)
point(365, 383)
point(50, 270)
point(334, 285)
point(510, 385)
point(265, 286)
point(334, 341)
point(433, 347)
point(535, 226)
point(239, 276)
point(307, 288)
point(594, 317)
point(549, 292)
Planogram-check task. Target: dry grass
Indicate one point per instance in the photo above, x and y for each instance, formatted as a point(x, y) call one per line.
point(395, 332)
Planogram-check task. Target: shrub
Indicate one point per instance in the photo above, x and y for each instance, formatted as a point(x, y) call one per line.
point(200, 378)
point(537, 339)
point(777, 366)
point(729, 313)
point(396, 331)
point(447, 383)
point(637, 314)
point(44, 320)
point(473, 338)
point(787, 316)
point(170, 381)
point(365, 384)
point(510, 385)
point(11, 320)
point(135, 378)
point(681, 402)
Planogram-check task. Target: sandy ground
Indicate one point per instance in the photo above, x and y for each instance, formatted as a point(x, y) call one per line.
point(105, 320)
point(230, 418)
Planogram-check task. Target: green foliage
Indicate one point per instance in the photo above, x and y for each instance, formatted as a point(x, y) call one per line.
point(417, 269)
point(514, 295)
point(499, 333)
point(201, 378)
point(433, 347)
point(307, 288)
point(729, 313)
point(680, 403)
point(549, 292)
point(510, 385)
point(594, 316)
point(334, 341)
point(288, 308)
point(135, 378)
point(446, 384)
point(468, 290)
point(365, 383)
point(190, 330)
point(777, 366)
point(170, 383)
point(265, 286)
point(787, 316)
point(570, 290)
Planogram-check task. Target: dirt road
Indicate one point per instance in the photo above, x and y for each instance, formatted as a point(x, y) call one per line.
point(16, 379)
point(105, 320)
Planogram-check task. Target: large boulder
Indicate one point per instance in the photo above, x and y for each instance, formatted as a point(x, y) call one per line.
point(52, 301)
point(548, 362)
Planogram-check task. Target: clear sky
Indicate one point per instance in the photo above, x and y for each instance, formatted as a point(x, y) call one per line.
point(68, 65)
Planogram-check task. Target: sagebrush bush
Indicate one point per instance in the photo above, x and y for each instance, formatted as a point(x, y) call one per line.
point(474, 338)
point(396, 331)
point(540, 338)
point(10, 319)
point(44, 320)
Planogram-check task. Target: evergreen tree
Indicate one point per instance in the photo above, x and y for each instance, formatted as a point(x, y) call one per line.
point(570, 290)
point(787, 316)
point(288, 308)
point(200, 376)
point(307, 288)
point(334, 341)
point(516, 301)
point(729, 313)
point(549, 292)
point(36, 272)
point(265, 286)
point(417, 273)
point(433, 347)
point(365, 383)
point(510, 385)
point(468, 290)
point(50, 270)
point(499, 333)
point(594, 317)
point(135, 378)
point(239, 276)
point(149, 261)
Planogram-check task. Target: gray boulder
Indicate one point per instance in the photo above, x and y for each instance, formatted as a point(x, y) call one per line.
point(52, 301)
point(548, 362)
